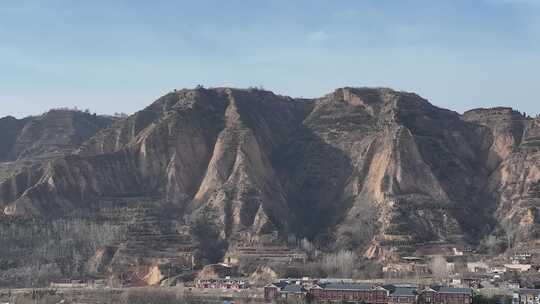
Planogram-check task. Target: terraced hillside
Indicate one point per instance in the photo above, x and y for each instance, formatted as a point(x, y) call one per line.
point(203, 171)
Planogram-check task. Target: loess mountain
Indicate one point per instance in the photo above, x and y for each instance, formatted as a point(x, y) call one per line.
point(377, 171)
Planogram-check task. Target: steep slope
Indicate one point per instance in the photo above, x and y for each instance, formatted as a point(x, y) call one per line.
point(513, 184)
point(189, 154)
point(386, 170)
point(197, 149)
point(137, 169)
point(55, 133)
point(240, 185)
point(516, 187)
point(505, 131)
point(370, 169)
point(34, 140)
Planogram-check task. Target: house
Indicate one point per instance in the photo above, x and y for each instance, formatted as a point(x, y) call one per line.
point(452, 295)
point(402, 295)
point(427, 296)
point(350, 292)
point(316, 291)
point(381, 295)
point(68, 283)
point(529, 296)
point(270, 254)
point(521, 258)
point(271, 291)
point(293, 291)
point(473, 280)
point(222, 283)
point(457, 252)
point(342, 291)
point(327, 291)
point(517, 267)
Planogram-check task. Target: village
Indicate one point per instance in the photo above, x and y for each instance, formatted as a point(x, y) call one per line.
point(462, 277)
point(459, 276)
point(412, 280)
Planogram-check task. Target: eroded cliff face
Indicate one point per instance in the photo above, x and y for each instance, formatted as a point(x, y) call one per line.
point(198, 150)
point(55, 133)
point(35, 140)
point(374, 170)
point(515, 185)
point(505, 131)
point(513, 162)
point(386, 171)
point(241, 181)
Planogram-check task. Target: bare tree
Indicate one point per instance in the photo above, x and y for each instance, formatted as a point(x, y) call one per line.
point(439, 267)
point(151, 296)
point(339, 264)
point(292, 240)
point(307, 246)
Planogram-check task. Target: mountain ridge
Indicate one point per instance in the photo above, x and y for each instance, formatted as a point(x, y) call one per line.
point(373, 170)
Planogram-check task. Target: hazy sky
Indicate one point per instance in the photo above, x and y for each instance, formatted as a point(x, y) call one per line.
point(112, 56)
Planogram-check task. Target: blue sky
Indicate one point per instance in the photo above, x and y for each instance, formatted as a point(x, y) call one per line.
point(118, 56)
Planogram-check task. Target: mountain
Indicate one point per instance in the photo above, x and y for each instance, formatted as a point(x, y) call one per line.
point(515, 180)
point(377, 171)
point(34, 140)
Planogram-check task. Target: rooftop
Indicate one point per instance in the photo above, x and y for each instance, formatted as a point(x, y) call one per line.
point(346, 286)
point(293, 288)
point(404, 292)
point(455, 290)
point(529, 291)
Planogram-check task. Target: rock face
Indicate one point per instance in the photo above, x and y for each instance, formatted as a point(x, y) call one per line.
point(513, 161)
point(370, 169)
point(55, 133)
point(35, 140)
point(29, 144)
